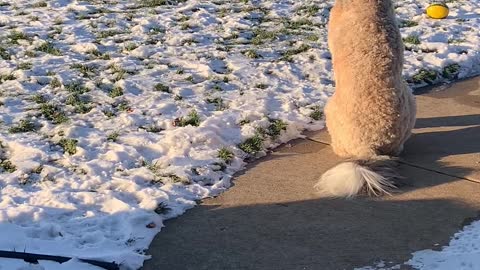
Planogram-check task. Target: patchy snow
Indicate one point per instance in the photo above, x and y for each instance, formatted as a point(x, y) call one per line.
point(443, 46)
point(462, 253)
point(116, 116)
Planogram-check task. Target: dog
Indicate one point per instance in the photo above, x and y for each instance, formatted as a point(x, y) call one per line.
point(372, 112)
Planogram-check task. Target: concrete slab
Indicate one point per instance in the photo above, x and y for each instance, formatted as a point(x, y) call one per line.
point(273, 219)
point(447, 134)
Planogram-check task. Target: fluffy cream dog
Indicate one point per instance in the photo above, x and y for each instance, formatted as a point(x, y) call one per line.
point(372, 112)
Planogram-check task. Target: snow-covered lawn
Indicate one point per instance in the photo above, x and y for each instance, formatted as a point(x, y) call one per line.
point(117, 115)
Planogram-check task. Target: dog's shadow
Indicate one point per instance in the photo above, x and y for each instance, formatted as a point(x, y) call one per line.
point(449, 121)
point(454, 136)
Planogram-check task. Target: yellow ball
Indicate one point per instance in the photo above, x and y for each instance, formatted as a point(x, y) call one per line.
point(437, 11)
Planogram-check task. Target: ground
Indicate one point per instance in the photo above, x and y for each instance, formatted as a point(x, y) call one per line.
point(272, 218)
point(118, 115)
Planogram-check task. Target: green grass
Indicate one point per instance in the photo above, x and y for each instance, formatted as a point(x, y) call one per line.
point(130, 46)
point(108, 113)
point(217, 87)
point(25, 65)
point(180, 71)
point(261, 36)
point(451, 71)
point(312, 37)
point(177, 179)
point(219, 105)
point(68, 145)
point(98, 54)
point(30, 54)
point(21, 13)
point(276, 127)
point(39, 4)
point(161, 88)
point(85, 70)
point(225, 154)
point(53, 113)
point(116, 92)
point(425, 75)
point(123, 106)
point(153, 3)
point(243, 122)
point(7, 77)
point(48, 47)
point(119, 72)
point(109, 33)
point(58, 21)
point(25, 125)
point(309, 10)
point(39, 99)
point(316, 114)
point(192, 119)
point(7, 166)
point(113, 137)
point(252, 145)
point(15, 36)
point(189, 41)
point(55, 83)
point(38, 169)
point(297, 24)
point(81, 104)
point(288, 54)
point(162, 208)
point(55, 31)
point(251, 53)
point(83, 108)
point(119, 75)
point(185, 26)
point(456, 40)
point(190, 79)
point(407, 23)
point(4, 54)
point(261, 86)
point(153, 129)
point(76, 87)
point(412, 39)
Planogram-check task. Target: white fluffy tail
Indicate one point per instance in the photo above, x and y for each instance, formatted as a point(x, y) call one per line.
point(349, 178)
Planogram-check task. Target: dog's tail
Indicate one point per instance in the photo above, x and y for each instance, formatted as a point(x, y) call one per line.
point(349, 178)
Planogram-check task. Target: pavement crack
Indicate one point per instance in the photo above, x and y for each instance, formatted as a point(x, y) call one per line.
point(416, 166)
point(437, 171)
point(312, 140)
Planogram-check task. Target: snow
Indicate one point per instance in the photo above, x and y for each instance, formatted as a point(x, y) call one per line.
point(142, 73)
point(462, 253)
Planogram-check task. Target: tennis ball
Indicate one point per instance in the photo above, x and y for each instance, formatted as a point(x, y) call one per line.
point(437, 11)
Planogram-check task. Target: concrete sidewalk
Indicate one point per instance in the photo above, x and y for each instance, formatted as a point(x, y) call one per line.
point(273, 219)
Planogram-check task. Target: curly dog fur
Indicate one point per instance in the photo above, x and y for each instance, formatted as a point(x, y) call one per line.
point(372, 112)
